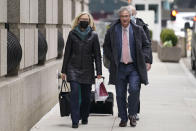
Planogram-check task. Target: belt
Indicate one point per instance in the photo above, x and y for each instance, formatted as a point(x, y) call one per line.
point(127, 63)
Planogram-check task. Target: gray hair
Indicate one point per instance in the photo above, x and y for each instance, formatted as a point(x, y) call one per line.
point(124, 9)
point(132, 10)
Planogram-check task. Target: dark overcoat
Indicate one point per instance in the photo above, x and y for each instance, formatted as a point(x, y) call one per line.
point(79, 58)
point(141, 23)
point(141, 51)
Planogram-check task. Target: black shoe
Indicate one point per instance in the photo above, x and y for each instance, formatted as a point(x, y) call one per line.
point(84, 122)
point(133, 121)
point(75, 125)
point(122, 124)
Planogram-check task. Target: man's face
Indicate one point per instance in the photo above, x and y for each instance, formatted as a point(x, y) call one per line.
point(125, 18)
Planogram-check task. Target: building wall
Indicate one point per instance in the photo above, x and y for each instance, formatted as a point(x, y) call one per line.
point(78, 7)
point(157, 25)
point(25, 98)
point(145, 15)
point(3, 36)
point(85, 5)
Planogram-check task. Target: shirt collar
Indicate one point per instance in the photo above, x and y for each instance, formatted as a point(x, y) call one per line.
point(127, 28)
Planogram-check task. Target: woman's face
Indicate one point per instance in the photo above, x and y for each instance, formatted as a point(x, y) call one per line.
point(84, 17)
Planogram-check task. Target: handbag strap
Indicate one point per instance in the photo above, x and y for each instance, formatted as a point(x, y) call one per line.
point(64, 84)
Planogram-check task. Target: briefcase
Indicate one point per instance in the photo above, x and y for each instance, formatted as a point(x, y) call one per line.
point(102, 107)
point(64, 100)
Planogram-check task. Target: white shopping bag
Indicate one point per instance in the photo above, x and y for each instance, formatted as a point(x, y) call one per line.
point(101, 93)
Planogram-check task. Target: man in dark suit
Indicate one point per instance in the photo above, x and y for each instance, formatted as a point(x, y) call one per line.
point(127, 48)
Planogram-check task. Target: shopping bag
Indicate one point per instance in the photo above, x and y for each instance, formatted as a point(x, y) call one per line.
point(64, 100)
point(101, 93)
point(102, 90)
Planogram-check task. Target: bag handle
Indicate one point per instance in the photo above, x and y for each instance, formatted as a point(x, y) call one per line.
point(64, 84)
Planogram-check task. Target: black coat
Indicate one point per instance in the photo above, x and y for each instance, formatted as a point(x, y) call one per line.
point(142, 48)
point(79, 58)
point(141, 23)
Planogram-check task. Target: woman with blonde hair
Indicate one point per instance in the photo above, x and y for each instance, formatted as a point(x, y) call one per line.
point(82, 49)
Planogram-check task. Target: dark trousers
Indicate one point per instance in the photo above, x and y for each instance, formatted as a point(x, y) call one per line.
point(127, 74)
point(138, 109)
point(80, 110)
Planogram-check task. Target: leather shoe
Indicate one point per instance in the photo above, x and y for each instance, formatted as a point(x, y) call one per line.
point(75, 125)
point(123, 124)
point(84, 122)
point(133, 121)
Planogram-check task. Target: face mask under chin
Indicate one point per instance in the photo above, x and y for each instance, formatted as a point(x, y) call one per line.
point(133, 18)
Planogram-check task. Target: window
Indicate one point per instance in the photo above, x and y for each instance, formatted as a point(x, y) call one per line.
point(154, 7)
point(140, 7)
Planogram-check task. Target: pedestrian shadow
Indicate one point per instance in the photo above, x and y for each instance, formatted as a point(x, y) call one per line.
point(63, 125)
point(101, 115)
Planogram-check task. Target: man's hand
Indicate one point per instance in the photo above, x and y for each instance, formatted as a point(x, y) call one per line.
point(148, 66)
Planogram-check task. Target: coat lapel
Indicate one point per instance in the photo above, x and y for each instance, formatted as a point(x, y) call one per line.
point(132, 42)
point(118, 31)
point(119, 43)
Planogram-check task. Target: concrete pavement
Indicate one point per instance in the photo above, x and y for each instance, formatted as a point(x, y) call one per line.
point(168, 103)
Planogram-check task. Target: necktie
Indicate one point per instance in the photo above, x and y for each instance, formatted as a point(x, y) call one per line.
point(125, 48)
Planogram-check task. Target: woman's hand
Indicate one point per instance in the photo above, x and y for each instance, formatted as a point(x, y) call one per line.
point(99, 77)
point(63, 76)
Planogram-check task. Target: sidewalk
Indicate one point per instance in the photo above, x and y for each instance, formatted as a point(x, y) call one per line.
point(167, 104)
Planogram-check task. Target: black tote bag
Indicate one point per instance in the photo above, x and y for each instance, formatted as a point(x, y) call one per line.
point(64, 100)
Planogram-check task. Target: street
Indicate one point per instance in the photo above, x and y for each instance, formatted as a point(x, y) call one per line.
point(168, 103)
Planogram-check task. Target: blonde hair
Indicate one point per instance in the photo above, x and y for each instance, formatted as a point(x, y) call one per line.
point(91, 21)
